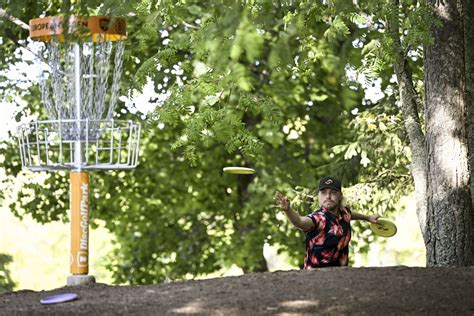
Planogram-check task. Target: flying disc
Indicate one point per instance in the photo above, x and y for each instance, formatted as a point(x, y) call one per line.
point(384, 228)
point(59, 298)
point(239, 170)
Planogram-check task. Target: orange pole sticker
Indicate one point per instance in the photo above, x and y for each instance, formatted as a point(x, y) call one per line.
point(79, 222)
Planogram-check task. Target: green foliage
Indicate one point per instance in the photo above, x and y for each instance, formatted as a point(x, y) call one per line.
point(6, 282)
point(258, 84)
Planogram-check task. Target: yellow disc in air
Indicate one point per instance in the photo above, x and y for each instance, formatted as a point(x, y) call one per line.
point(239, 170)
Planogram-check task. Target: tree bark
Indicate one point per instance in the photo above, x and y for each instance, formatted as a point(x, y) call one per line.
point(449, 223)
point(468, 9)
point(468, 12)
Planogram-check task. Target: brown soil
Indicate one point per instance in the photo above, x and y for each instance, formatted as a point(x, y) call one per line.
point(366, 291)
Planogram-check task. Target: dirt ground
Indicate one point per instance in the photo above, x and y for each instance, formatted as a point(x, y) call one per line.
point(334, 291)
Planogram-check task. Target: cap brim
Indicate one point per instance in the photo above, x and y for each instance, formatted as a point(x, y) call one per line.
point(329, 187)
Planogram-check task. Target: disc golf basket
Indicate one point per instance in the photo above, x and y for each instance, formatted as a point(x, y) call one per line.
point(82, 62)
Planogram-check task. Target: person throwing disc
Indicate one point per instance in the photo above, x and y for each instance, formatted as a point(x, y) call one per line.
point(328, 229)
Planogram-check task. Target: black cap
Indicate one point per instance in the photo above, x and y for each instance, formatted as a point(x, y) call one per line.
point(330, 182)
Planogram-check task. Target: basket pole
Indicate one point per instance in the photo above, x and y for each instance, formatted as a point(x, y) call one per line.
point(79, 180)
point(79, 222)
point(77, 95)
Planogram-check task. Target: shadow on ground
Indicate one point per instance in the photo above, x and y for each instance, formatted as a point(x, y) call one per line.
point(370, 291)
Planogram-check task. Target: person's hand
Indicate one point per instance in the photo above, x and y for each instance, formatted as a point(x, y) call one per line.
point(282, 201)
point(373, 218)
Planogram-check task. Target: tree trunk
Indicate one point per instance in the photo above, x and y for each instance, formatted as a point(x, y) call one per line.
point(449, 222)
point(468, 8)
point(418, 168)
point(409, 106)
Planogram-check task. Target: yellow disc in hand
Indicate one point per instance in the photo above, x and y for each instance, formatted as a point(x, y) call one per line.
point(384, 228)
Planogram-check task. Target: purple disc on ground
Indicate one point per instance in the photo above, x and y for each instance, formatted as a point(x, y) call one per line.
point(59, 298)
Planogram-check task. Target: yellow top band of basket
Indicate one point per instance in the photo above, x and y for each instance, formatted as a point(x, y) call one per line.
point(44, 29)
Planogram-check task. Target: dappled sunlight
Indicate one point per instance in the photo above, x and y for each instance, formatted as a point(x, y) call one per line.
point(191, 308)
point(310, 306)
point(199, 307)
point(300, 304)
point(450, 141)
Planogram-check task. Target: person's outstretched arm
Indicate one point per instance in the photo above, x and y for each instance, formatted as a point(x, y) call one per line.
point(361, 217)
point(302, 222)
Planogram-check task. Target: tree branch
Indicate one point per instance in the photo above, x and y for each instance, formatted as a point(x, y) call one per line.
point(11, 18)
point(409, 100)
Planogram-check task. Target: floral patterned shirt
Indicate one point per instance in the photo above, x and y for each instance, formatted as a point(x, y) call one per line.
point(328, 241)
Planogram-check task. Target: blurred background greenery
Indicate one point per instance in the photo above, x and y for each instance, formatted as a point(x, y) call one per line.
point(295, 89)
point(39, 253)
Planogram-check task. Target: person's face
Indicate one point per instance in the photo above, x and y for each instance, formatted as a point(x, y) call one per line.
point(329, 198)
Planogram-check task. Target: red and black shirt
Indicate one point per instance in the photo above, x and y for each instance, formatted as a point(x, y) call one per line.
point(328, 241)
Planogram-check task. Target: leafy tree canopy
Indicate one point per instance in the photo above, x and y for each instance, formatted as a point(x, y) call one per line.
point(260, 84)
